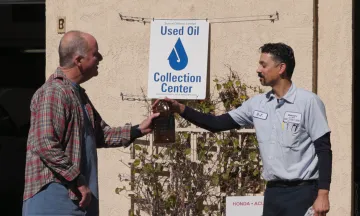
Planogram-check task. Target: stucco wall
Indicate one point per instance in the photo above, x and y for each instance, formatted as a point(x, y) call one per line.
point(125, 47)
point(335, 88)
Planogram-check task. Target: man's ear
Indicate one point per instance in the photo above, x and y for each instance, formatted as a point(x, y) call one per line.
point(282, 70)
point(77, 60)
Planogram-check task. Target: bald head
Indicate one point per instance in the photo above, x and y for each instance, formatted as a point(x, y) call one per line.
point(71, 44)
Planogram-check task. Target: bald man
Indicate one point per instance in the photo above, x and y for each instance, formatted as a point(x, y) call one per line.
point(61, 159)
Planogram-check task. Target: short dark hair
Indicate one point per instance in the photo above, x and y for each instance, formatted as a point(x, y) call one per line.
point(282, 53)
point(77, 45)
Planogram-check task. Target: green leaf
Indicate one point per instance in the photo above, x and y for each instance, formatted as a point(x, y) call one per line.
point(236, 142)
point(202, 155)
point(252, 155)
point(171, 201)
point(215, 179)
point(137, 147)
point(218, 87)
point(136, 162)
point(225, 176)
point(216, 80)
point(148, 168)
point(237, 83)
point(206, 209)
point(207, 110)
point(186, 135)
point(118, 190)
point(158, 168)
point(188, 151)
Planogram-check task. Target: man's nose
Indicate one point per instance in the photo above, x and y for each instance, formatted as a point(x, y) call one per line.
point(258, 70)
point(100, 57)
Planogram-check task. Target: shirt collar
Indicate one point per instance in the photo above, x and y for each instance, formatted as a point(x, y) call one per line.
point(59, 74)
point(76, 86)
point(289, 96)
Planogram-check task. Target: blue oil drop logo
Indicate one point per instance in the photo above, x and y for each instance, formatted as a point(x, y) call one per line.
point(178, 58)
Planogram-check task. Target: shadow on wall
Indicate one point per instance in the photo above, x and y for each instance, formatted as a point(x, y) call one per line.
point(14, 127)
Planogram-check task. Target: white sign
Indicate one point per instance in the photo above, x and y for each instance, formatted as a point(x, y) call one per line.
point(244, 205)
point(178, 59)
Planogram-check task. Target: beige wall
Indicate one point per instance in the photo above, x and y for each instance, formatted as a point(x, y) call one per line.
point(335, 88)
point(125, 47)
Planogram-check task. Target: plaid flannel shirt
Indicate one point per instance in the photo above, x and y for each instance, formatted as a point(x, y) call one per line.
point(55, 136)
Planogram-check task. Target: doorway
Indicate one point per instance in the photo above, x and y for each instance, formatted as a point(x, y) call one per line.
point(22, 60)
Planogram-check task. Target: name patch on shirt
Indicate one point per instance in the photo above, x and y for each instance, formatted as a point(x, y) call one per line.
point(292, 117)
point(260, 115)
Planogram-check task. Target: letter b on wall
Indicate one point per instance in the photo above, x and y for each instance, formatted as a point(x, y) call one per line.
point(61, 25)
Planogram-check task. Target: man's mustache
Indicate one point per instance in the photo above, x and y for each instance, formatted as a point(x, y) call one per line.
point(260, 75)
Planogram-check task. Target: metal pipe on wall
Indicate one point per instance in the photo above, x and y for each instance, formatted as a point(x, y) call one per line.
point(315, 46)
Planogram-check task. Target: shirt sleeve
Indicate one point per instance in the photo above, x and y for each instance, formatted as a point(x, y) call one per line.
point(243, 114)
point(49, 124)
point(107, 136)
point(209, 122)
point(316, 124)
point(324, 153)
point(116, 136)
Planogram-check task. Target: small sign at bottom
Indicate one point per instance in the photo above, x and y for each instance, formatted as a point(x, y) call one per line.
point(247, 205)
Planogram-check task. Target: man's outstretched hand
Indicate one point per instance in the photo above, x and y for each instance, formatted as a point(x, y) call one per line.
point(146, 126)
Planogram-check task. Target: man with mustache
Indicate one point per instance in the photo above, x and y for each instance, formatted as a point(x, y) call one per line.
point(292, 132)
point(61, 158)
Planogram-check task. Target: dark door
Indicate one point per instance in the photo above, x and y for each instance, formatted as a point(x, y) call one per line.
point(22, 60)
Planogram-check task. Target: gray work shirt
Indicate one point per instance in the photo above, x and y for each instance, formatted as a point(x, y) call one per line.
point(286, 129)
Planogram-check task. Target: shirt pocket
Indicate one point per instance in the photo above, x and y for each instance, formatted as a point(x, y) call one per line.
point(290, 135)
point(262, 130)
